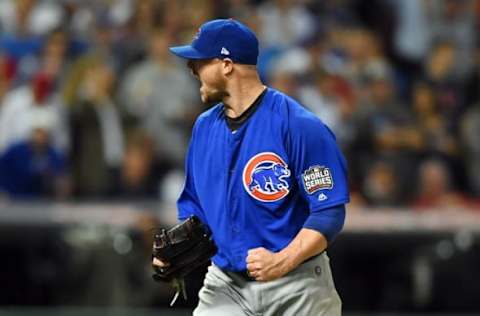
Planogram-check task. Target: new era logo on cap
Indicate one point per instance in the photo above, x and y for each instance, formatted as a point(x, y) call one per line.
point(197, 35)
point(215, 36)
point(224, 51)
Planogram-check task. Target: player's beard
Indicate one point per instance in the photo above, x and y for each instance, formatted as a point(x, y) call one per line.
point(213, 95)
point(213, 85)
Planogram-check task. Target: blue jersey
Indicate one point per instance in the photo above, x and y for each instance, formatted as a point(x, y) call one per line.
point(257, 186)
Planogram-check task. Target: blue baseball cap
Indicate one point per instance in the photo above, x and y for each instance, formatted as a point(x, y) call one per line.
point(222, 38)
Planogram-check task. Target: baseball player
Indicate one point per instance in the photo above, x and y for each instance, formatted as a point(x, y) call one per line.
point(267, 178)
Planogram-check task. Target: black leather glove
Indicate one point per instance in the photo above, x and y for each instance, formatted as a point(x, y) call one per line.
point(184, 247)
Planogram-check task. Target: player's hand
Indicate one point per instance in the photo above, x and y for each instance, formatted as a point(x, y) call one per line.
point(159, 263)
point(264, 265)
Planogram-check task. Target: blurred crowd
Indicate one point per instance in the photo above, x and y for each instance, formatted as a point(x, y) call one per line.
point(93, 106)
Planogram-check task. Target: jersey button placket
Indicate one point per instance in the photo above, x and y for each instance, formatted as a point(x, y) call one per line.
point(231, 199)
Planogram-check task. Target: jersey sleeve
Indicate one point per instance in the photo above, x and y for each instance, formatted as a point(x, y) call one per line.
point(188, 203)
point(328, 221)
point(317, 163)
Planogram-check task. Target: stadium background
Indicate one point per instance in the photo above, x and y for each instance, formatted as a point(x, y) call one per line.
point(95, 117)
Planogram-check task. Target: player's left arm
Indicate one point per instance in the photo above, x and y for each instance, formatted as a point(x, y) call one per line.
point(320, 171)
point(319, 229)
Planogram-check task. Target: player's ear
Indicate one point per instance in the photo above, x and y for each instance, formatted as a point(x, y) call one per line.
point(191, 66)
point(227, 66)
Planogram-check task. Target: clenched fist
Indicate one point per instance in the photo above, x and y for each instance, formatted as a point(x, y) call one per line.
point(264, 265)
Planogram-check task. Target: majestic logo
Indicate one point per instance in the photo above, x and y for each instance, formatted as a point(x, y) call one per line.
point(322, 197)
point(264, 177)
point(317, 178)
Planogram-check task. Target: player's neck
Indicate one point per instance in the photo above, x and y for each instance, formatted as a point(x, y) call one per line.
point(241, 95)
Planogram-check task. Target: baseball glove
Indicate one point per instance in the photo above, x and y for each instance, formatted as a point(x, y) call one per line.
point(184, 247)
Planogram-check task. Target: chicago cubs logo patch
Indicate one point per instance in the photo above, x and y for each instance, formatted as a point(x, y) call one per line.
point(317, 178)
point(265, 177)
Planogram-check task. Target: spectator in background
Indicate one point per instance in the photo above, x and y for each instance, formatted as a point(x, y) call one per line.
point(130, 24)
point(363, 57)
point(421, 23)
point(242, 10)
point(160, 96)
point(437, 138)
point(39, 94)
point(7, 72)
point(132, 38)
point(33, 17)
point(284, 23)
point(322, 100)
point(382, 116)
point(412, 36)
point(381, 185)
point(23, 24)
point(436, 189)
point(97, 134)
point(103, 45)
point(353, 52)
point(192, 13)
point(145, 18)
point(472, 87)
point(470, 133)
point(383, 127)
point(173, 21)
point(453, 21)
point(53, 62)
point(140, 174)
point(34, 168)
point(439, 72)
point(25, 102)
point(315, 49)
point(326, 99)
point(284, 81)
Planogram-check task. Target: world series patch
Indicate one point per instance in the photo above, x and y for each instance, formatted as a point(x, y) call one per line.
point(317, 178)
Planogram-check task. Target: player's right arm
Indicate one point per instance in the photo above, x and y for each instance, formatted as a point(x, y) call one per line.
point(188, 203)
